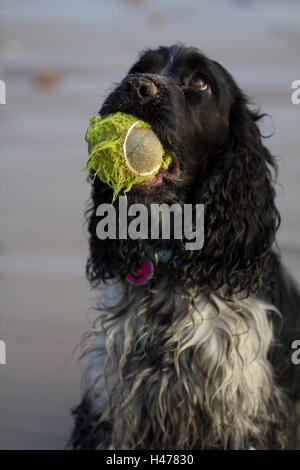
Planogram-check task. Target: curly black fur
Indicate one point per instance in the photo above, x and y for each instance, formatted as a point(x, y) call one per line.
point(241, 218)
point(214, 136)
point(88, 432)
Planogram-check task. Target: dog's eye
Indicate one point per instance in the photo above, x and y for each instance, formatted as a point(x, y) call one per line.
point(197, 81)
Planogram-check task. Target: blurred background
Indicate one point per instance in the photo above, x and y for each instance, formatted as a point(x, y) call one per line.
point(59, 59)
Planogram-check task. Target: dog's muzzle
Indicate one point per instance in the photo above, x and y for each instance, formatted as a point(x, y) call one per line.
point(139, 88)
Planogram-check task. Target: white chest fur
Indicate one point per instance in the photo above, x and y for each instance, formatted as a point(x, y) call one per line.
point(203, 372)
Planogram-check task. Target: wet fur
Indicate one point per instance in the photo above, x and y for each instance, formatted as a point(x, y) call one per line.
point(200, 357)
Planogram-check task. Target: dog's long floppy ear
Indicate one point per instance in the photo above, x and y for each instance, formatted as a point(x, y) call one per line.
point(110, 256)
point(241, 217)
point(101, 263)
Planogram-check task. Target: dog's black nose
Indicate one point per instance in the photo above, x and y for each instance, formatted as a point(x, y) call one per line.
point(140, 88)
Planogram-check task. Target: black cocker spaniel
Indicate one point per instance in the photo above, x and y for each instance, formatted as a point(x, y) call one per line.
point(199, 355)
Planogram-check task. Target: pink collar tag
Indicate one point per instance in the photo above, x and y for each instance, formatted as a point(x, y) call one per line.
point(143, 275)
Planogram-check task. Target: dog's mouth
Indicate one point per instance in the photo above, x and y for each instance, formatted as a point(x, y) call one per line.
point(172, 173)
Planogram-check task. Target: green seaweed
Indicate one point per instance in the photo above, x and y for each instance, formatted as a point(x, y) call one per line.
point(105, 137)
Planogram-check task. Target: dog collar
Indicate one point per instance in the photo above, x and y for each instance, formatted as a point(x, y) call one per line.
point(151, 261)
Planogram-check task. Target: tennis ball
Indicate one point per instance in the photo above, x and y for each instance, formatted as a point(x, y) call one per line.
point(123, 151)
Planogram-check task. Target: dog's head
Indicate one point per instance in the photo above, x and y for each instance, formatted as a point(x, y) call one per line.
point(202, 118)
point(187, 99)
